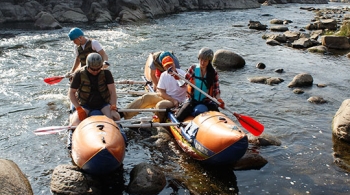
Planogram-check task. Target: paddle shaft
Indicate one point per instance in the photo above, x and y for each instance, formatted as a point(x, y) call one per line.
point(194, 86)
point(56, 79)
point(141, 110)
point(130, 82)
point(57, 129)
point(248, 123)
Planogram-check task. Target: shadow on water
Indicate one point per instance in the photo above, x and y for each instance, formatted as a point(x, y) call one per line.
point(341, 153)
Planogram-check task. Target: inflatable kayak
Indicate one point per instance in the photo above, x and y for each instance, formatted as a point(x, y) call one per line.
point(210, 137)
point(97, 145)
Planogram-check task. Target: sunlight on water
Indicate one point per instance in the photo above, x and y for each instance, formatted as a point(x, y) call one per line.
point(303, 164)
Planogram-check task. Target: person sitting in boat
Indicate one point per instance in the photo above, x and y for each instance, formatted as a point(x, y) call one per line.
point(93, 88)
point(205, 77)
point(155, 67)
point(171, 93)
point(83, 47)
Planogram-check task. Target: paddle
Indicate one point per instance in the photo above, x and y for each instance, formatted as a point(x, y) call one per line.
point(133, 92)
point(130, 82)
point(57, 129)
point(141, 110)
point(53, 80)
point(56, 79)
point(247, 122)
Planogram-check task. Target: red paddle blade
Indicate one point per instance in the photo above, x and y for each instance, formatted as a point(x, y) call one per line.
point(250, 124)
point(53, 80)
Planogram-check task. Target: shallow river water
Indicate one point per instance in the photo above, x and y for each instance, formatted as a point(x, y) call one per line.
point(303, 164)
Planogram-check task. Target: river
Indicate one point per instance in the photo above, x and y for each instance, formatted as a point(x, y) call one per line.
point(303, 164)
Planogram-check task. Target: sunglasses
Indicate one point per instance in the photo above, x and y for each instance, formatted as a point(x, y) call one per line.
point(94, 69)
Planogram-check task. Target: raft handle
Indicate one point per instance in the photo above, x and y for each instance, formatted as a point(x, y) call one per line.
point(223, 119)
point(100, 127)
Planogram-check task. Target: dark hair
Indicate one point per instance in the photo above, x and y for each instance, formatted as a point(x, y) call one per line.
point(210, 75)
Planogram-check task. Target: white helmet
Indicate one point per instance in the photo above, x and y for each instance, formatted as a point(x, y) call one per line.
point(206, 54)
point(94, 60)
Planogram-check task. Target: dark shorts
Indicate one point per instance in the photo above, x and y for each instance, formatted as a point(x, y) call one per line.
point(91, 109)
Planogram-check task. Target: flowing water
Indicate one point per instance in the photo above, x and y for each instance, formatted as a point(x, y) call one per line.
point(303, 164)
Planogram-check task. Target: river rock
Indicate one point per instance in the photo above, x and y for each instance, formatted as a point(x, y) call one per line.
point(264, 140)
point(302, 43)
point(291, 35)
point(298, 91)
point(341, 122)
point(266, 80)
point(335, 42)
point(13, 181)
point(316, 100)
point(281, 38)
point(250, 161)
point(46, 21)
point(301, 80)
point(318, 49)
point(256, 25)
point(279, 28)
point(227, 60)
point(68, 179)
point(260, 65)
point(146, 179)
point(272, 42)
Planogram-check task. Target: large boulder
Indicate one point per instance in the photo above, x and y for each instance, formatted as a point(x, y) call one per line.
point(341, 122)
point(227, 60)
point(12, 179)
point(146, 179)
point(335, 42)
point(68, 179)
point(301, 80)
point(46, 21)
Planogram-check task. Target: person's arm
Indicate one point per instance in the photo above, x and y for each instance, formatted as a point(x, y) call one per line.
point(73, 98)
point(104, 58)
point(98, 47)
point(75, 65)
point(113, 102)
point(162, 93)
point(112, 91)
point(154, 79)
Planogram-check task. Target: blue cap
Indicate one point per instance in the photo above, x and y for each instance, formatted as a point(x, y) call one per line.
point(199, 109)
point(75, 33)
point(164, 54)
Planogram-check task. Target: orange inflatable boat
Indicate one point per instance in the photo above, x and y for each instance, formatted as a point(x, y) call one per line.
point(98, 146)
point(210, 137)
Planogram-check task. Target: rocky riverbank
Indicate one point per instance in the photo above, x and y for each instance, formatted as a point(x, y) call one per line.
point(52, 14)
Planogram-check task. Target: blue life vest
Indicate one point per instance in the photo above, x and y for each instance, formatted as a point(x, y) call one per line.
point(200, 83)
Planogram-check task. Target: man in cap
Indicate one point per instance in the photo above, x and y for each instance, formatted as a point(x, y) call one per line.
point(83, 47)
point(154, 67)
point(93, 88)
point(170, 93)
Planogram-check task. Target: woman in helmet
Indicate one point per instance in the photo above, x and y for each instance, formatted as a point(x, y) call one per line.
point(93, 88)
point(205, 77)
point(83, 47)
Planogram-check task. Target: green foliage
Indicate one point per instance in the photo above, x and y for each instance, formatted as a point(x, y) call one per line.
point(344, 30)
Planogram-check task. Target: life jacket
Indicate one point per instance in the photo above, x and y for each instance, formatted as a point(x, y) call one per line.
point(199, 82)
point(85, 87)
point(156, 61)
point(83, 53)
